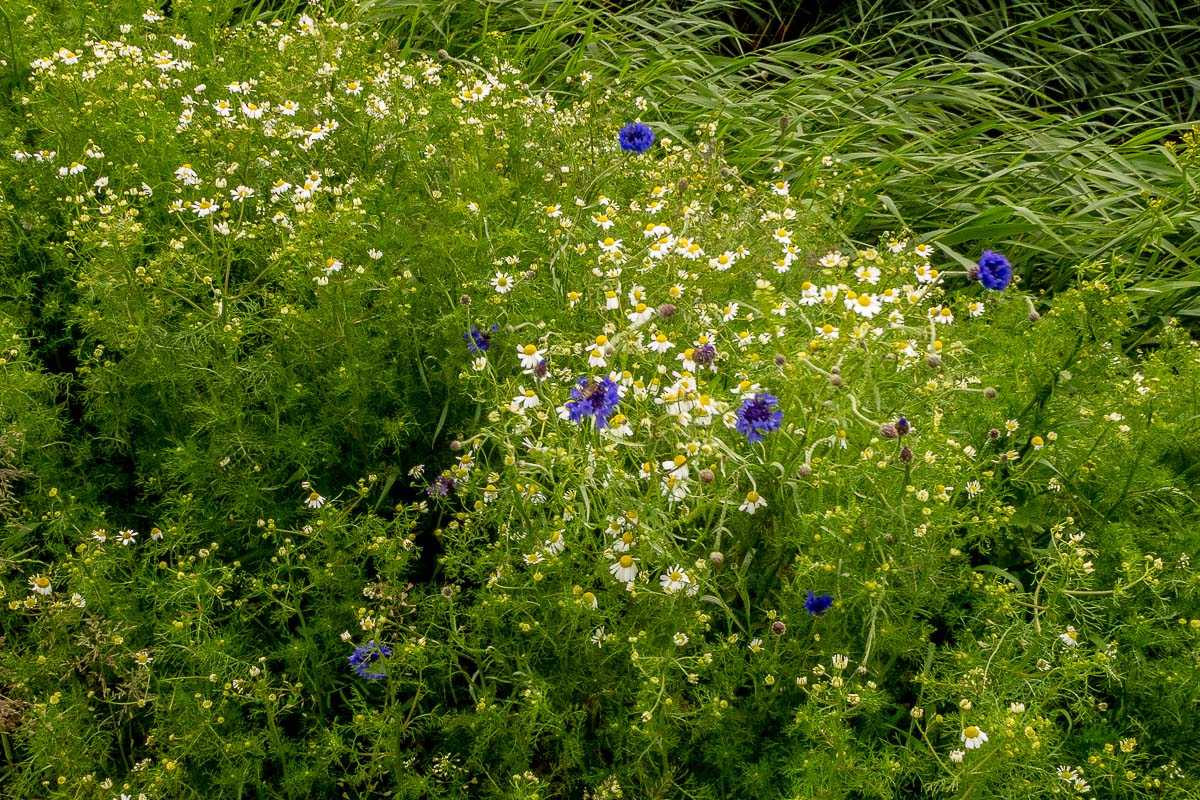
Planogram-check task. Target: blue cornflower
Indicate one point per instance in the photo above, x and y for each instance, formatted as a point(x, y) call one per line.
point(756, 416)
point(994, 271)
point(367, 654)
point(636, 137)
point(477, 341)
point(818, 604)
point(593, 399)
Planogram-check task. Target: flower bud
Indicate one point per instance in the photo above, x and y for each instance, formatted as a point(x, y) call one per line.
point(780, 359)
point(906, 455)
point(804, 471)
point(933, 361)
point(716, 558)
point(902, 426)
point(994, 433)
point(835, 380)
point(465, 300)
point(1034, 316)
point(706, 475)
point(990, 393)
point(888, 430)
point(666, 310)
point(778, 627)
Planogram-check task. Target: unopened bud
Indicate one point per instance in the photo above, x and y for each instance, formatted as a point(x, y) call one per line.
point(682, 186)
point(778, 627)
point(1034, 316)
point(835, 380)
point(716, 558)
point(933, 361)
point(667, 310)
point(888, 430)
point(780, 359)
point(465, 300)
point(994, 433)
point(990, 393)
point(906, 455)
point(707, 476)
point(804, 471)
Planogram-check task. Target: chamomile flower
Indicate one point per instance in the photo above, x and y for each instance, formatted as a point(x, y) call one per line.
point(1070, 637)
point(205, 207)
point(660, 343)
point(314, 500)
point(722, 262)
point(680, 639)
point(40, 584)
point(865, 305)
point(753, 502)
point(624, 568)
point(972, 737)
point(674, 580)
point(525, 400)
point(502, 282)
point(126, 537)
point(868, 275)
point(529, 355)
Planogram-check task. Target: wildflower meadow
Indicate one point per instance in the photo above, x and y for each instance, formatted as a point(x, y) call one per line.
point(379, 421)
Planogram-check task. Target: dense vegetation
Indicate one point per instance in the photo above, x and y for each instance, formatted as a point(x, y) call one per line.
point(557, 400)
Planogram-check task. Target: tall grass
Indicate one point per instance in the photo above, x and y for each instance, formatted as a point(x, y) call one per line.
point(1036, 126)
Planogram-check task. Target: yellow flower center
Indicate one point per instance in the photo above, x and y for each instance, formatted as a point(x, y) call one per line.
point(626, 562)
point(971, 732)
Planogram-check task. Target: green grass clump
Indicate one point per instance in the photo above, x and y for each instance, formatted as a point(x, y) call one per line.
point(373, 424)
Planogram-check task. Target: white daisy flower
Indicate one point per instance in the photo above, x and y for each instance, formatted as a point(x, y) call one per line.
point(674, 580)
point(624, 568)
point(529, 355)
point(503, 283)
point(972, 737)
point(753, 502)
